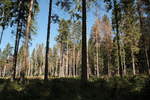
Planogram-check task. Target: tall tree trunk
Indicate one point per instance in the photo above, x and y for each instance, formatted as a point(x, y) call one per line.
point(78, 63)
point(47, 41)
point(74, 57)
point(72, 64)
point(69, 66)
point(97, 61)
point(17, 40)
point(118, 36)
point(18, 36)
point(56, 68)
point(67, 62)
point(124, 63)
point(63, 65)
point(1, 35)
point(3, 27)
point(75, 60)
point(133, 62)
point(59, 74)
point(88, 66)
point(84, 46)
point(4, 71)
point(61, 71)
point(147, 60)
point(27, 34)
point(109, 74)
point(31, 70)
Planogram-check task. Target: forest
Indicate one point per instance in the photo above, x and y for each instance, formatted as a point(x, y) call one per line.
point(85, 50)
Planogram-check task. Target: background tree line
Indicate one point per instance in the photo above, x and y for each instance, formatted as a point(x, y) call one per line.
point(118, 44)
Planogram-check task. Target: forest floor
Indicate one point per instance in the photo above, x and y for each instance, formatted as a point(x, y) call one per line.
point(128, 88)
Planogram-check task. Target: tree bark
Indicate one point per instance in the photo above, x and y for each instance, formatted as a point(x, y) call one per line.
point(74, 58)
point(97, 61)
point(75, 62)
point(1, 35)
point(63, 66)
point(56, 68)
point(84, 46)
point(147, 60)
point(61, 71)
point(27, 34)
point(88, 67)
point(133, 62)
point(124, 63)
point(109, 74)
point(47, 41)
point(118, 36)
point(72, 64)
point(17, 40)
point(67, 62)
point(3, 27)
point(4, 71)
point(31, 70)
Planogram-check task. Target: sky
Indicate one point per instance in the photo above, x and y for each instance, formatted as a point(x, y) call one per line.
point(42, 20)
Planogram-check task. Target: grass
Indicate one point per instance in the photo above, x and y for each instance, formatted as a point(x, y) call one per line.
point(128, 88)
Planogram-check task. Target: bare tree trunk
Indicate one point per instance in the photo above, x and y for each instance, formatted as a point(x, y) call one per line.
point(88, 67)
point(3, 27)
point(60, 69)
point(1, 35)
point(27, 34)
point(147, 60)
point(69, 66)
point(1, 72)
point(97, 62)
point(47, 41)
point(75, 63)
point(61, 72)
point(59, 66)
point(31, 70)
point(74, 57)
point(40, 70)
point(124, 63)
point(78, 63)
point(56, 68)
point(84, 76)
point(118, 70)
point(4, 71)
point(109, 74)
point(16, 53)
point(66, 70)
point(133, 62)
point(67, 62)
point(18, 35)
point(63, 66)
point(17, 70)
point(118, 36)
point(72, 65)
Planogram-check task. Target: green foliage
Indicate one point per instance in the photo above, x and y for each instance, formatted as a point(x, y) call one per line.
point(64, 31)
point(70, 89)
point(11, 13)
point(74, 7)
